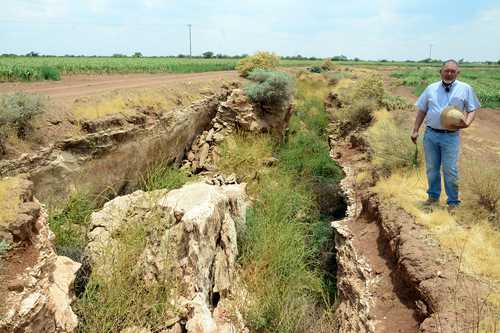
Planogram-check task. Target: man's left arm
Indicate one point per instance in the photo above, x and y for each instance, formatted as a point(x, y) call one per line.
point(468, 119)
point(472, 105)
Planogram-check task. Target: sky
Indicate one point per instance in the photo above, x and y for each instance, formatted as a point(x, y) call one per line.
point(367, 29)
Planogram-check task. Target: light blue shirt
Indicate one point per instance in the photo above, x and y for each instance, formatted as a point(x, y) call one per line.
point(435, 98)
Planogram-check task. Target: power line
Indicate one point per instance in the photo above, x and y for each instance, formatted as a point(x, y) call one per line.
point(189, 26)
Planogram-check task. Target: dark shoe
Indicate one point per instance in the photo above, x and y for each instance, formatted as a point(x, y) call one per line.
point(431, 202)
point(452, 209)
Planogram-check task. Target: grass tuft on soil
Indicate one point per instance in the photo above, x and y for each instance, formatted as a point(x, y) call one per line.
point(165, 177)
point(70, 225)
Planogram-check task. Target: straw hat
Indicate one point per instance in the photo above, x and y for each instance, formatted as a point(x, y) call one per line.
point(451, 116)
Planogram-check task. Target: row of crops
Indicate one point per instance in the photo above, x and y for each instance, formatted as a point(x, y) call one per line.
point(50, 68)
point(486, 82)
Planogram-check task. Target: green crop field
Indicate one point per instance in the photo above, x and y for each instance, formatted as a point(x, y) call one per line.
point(485, 80)
point(44, 68)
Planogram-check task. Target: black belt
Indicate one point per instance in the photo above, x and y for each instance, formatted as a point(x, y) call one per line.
point(441, 130)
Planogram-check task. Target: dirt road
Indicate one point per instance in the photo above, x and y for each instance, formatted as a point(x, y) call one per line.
point(87, 85)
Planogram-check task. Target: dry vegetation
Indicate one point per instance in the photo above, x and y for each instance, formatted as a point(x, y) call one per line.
point(389, 144)
point(260, 60)
point(156, 100)
point(9, 199)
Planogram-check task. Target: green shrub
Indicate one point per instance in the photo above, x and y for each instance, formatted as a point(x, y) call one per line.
point(4, 246)
point(164, 177)
point(315, 69)
point(17, 110)
point(49, 73)
point(260, 60)
point(270, 88)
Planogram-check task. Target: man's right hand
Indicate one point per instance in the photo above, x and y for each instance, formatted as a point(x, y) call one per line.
point(414, 136)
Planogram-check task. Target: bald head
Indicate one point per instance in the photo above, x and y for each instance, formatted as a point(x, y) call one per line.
point(449, 71)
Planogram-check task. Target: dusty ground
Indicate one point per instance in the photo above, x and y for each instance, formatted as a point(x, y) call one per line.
point(75, 98)
point(87, 85)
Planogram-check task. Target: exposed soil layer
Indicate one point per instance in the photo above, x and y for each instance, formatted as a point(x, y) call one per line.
point(367, 266)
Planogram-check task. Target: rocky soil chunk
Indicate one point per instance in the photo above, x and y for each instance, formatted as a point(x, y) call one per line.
point(236, 113)
point(194, 242)
point(36, 284)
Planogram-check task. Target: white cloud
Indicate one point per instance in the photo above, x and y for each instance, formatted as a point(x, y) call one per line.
point(35, 10)
point(98, 6)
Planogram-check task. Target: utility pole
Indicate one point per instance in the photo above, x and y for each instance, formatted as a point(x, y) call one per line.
point(430, 51)
point(189, 26)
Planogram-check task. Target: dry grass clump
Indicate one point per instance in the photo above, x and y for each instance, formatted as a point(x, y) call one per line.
point(328, 65)
point(101, 109)
point(9, 199)
point(481, 189)
point(127, 103)
point(395, 102)
point(370, 87)
point(390, 145)
point(245, 154)
point(260, 60)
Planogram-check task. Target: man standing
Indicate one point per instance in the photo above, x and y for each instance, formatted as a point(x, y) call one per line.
point(441, 145)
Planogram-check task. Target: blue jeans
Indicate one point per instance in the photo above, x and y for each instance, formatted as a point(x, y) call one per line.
point(441, 149)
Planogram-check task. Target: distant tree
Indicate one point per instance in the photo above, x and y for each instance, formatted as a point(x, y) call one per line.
point(356, 59)
point(340, 58)
point(383, 60)
point(181, 56)
point(119, 55)
point(32, 54)
point(137, 55)
point(208, 54)
point(498, 62)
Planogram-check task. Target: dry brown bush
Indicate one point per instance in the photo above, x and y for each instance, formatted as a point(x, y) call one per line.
point(482, 189)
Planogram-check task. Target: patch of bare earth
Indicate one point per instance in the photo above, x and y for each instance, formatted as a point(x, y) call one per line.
point(102, 95)
point(71, 87)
